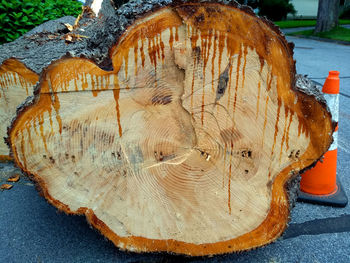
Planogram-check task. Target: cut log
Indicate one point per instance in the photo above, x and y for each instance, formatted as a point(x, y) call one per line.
point(188, 144)
point(16, 84)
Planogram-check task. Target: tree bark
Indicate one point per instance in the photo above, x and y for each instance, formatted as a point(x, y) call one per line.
point(327, 15)
point(187, 139)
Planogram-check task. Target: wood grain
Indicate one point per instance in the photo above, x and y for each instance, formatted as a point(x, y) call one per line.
point(187, 144)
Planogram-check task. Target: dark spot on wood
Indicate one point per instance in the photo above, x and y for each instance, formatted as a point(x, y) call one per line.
point(199, 18)
point(222, 84)
point(269, 184)
point(52, 160)
point(294, 154)
point(229, 246)
point(119, 157)
point(246, 153)
point(76, 173)
point(246, 171)
point(73, 158)
point(113, 154)
point(204, 154)
point(67, 155)
point(197, 54)
point(161, 99)
point(44, 156)
point(161, 157)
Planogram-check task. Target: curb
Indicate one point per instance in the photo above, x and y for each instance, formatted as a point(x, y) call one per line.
point(340, 42)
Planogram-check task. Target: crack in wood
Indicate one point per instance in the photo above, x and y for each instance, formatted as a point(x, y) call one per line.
point(161, 99)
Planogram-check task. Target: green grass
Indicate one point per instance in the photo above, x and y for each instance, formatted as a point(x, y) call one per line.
point(339, 33)
point(302, 23)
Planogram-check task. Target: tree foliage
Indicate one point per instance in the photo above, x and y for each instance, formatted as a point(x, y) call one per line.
point(274, 10)
point(19, 16)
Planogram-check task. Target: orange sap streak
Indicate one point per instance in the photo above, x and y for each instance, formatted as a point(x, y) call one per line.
point(116, 98)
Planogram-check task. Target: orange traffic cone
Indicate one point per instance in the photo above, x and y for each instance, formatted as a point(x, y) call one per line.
point(320, 185)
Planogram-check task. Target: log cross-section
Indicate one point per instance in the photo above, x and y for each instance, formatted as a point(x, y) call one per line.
point(187, 144)
point(16, 84)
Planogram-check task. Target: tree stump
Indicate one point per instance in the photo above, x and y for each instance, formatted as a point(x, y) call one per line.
point(188, 143)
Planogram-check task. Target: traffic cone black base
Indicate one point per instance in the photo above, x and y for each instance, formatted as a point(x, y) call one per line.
point(337, 199)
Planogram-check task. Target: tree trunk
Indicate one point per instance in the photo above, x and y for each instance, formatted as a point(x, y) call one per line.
point(188, 142)
point(327, 15)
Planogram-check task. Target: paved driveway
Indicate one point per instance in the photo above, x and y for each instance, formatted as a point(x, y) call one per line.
point(33, 231)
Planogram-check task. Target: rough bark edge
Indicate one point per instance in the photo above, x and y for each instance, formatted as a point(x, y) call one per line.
point(311, 89)
point(290, 186)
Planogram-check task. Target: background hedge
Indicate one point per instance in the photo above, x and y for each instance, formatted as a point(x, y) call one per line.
point(19, 16)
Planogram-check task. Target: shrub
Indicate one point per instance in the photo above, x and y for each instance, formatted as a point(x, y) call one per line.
point(19, 16)
point(275, 10)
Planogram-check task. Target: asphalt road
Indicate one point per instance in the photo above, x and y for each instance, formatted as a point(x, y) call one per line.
point(33, 231)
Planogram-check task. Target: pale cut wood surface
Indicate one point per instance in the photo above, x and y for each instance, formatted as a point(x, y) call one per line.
point(16, 84)
point(187, 144)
